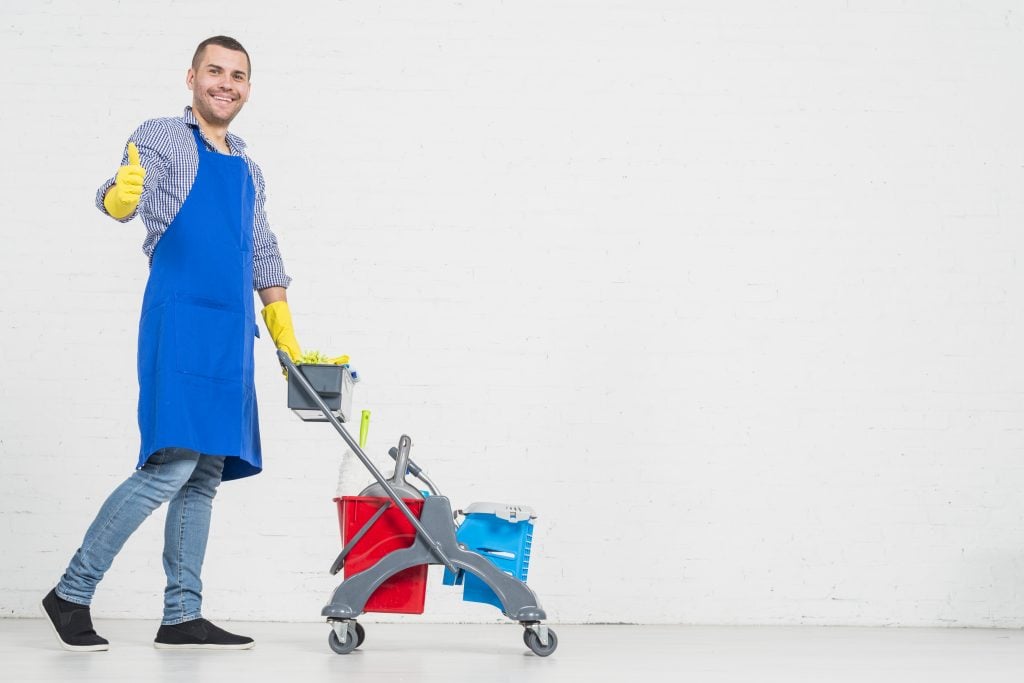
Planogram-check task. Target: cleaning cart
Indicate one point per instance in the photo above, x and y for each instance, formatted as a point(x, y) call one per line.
point(392, 532)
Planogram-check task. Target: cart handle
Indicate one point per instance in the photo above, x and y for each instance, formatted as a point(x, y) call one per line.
point(434, 546)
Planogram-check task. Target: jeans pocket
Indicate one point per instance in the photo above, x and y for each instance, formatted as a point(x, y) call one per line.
point(210, 337)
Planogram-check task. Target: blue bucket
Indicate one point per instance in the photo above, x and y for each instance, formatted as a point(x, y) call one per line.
point(501, 533)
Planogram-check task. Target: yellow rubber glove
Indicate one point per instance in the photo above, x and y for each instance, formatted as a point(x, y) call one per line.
point(278, 318)
point(122, 199)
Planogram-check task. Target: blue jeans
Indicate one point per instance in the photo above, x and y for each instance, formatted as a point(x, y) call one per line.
point(189, 481)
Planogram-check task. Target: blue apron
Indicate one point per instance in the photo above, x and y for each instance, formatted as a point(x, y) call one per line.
point(196, 332)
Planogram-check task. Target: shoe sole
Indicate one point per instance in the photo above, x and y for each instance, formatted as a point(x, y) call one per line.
point(205, 646)
point(66, 646)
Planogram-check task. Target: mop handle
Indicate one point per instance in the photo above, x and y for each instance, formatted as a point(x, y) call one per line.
point(364, 428)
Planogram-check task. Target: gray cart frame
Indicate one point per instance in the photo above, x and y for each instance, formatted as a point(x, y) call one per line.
point(435, 543)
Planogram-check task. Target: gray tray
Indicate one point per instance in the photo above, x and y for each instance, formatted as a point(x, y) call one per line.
point(333, 383)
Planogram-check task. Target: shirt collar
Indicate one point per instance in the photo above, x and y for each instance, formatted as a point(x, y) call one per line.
point(237, 144)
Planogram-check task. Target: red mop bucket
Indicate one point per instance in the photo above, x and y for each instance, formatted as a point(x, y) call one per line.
point(403, 593)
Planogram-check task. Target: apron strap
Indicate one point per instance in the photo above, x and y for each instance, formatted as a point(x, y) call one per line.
point(200, 145)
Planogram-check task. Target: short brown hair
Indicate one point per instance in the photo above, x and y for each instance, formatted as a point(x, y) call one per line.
point(222, 41)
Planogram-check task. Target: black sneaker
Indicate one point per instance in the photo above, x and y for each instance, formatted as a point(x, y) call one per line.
point(199, 634)
point(72, 624)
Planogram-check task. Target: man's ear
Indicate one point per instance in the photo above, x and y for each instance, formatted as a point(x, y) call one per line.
point(190, 78)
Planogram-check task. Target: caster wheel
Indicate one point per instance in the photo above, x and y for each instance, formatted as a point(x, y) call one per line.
point(360, 634)
point(532, 641)
point(351, 642)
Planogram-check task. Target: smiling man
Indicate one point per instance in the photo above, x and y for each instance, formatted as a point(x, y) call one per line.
point(209, 246)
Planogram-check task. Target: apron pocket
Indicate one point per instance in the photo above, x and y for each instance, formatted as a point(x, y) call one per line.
point(210, 338)
point(153, 325)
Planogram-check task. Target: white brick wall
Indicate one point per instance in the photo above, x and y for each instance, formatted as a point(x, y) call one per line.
point(729, 292)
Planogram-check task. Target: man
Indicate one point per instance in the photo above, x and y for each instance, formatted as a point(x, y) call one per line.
point(201, 199)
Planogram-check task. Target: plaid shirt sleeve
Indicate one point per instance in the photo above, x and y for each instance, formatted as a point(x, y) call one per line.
point(268, 266)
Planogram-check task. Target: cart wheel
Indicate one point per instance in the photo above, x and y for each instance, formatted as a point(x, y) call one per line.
point(360, 634)
point(532, 641)
point(352, 642)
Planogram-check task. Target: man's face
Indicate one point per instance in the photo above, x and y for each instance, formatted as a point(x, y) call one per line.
point(220, 85)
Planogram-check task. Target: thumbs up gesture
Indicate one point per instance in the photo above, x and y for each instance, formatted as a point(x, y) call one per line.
point(122, 199)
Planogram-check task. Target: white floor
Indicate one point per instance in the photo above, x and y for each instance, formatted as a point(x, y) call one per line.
point(298, 653)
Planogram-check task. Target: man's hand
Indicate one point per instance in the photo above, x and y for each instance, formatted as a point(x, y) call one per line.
point(278, 318)
point(122, 199)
